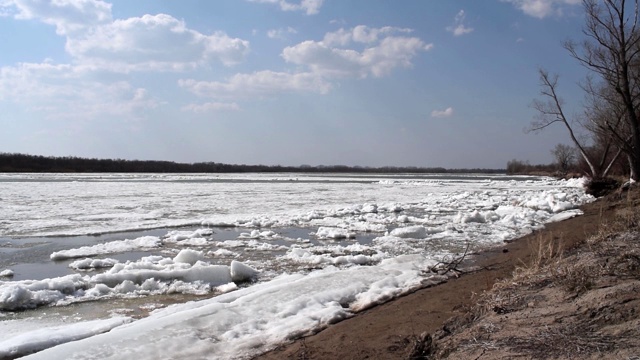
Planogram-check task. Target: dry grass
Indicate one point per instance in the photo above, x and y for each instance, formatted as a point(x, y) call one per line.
point(560, 303)
point(547, 254)
point(547, 250)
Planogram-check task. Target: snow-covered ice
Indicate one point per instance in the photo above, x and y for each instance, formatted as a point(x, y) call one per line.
point(248, 321)
point(45, 337)
point(278, 258)
point(153, 275)
point(120, 246)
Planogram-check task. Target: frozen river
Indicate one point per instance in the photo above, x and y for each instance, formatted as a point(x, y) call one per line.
point(267, 256)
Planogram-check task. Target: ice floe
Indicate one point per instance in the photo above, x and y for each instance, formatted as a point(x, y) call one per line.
point(357, 241)
point(145, 242)
point(185, 273)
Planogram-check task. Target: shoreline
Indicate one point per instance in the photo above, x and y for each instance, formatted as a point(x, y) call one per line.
point(390, 330)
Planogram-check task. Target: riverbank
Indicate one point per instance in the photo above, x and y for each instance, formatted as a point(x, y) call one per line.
point(454, 313)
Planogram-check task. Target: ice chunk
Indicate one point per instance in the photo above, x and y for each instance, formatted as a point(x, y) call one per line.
point(414, 232)
point(241, 272)
point(257, 234)
point(334, 233)
point(36, 340)
point(88, 264)
point(224, 253)
point(145, 242)
point(474, 216)
point(189, 256)
point(31, 293)
point(565, 215)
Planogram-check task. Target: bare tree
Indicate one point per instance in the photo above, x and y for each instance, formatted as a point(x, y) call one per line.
point(550, 111)
point(565, 156)
point(612, 52)
point(604, 119)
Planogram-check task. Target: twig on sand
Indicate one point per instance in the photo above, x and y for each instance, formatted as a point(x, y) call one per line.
point(446, 265)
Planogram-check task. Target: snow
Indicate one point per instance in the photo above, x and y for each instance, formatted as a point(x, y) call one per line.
point(304, 256)
point(224, 253)
point(36, 340)
point(152, 275)
point(417, 232)
point(238, 325)
point(241, 272)
point(145, 242)
point(257, 234)
point(189, 256)
point(565, 215)
point(92, 264)
point(292, 258)
point(333, 233)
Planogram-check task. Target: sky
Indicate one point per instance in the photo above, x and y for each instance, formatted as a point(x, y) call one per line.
point(285, 82)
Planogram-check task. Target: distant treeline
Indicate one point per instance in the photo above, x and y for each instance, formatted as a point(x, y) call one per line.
point(35, 163)
point(571, 169)
point(517, 167)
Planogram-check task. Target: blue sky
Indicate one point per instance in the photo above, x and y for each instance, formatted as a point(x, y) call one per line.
point(289, 82)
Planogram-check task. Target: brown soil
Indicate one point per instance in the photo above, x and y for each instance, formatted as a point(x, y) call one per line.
point(456, 312)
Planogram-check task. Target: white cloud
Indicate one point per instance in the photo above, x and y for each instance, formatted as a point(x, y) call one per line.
point(148, 43)
point(65, 92)
point(68, 16)
point(281, 33)
point(360, 34)
point(458, 28)
point(543, 8)
point(310, 7)
point(153, 42)
point(261, 83)
point(448, 112)
point(384, 53)
point(211, 107)
point(97, 43)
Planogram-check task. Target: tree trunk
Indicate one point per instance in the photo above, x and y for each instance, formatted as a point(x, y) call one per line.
point(634, 167)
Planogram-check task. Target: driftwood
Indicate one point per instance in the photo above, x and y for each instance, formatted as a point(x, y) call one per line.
point(450, 264)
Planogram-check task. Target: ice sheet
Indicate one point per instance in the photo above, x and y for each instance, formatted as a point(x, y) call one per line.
point(360, 240)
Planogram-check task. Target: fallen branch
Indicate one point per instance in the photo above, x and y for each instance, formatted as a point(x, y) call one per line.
point(443, 267)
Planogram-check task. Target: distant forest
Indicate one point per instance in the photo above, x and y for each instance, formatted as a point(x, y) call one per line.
point(69, 164)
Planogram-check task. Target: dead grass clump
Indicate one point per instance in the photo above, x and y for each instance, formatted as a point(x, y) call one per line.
point(547, 250)
point(576, 278)
point(571, 342)
point(625, 265)
point(626, 219)
point(502, 299)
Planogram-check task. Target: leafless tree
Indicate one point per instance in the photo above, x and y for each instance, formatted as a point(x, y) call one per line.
point(550, 112)
point(611, 51)
point(565, 156)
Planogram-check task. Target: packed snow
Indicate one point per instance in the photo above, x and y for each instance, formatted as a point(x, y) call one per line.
point(152, 275)
point(145, 242)
point(275, 258)
point(42, 338)
point(248, 321)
